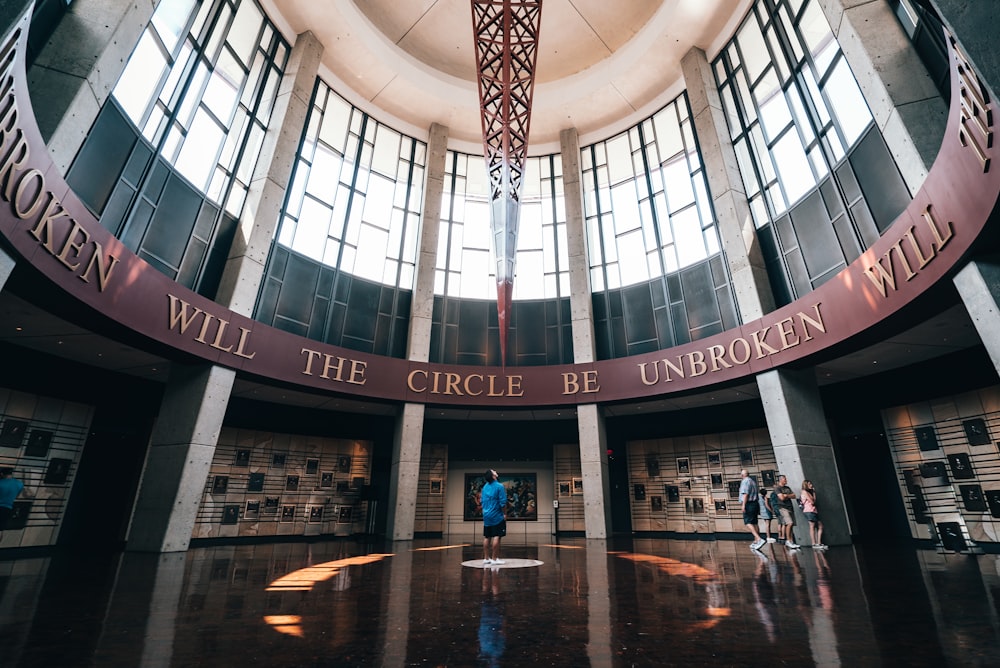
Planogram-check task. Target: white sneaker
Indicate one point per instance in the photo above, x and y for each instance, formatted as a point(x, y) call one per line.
point(821, 546)
point(487, 562)
point(772, 540)
point(497, 562)
point(792, 546)
point(757, 544)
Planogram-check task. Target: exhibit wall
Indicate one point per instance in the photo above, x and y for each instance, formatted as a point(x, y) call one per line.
point(948, 468)
point(275, 484)
point(41, 438)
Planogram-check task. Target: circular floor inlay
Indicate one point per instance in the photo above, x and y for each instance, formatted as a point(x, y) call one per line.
point(507, 563)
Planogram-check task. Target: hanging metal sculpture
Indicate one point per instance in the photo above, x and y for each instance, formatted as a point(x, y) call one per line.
point(506, 48)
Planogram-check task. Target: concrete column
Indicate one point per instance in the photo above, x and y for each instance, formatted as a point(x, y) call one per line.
point(978, 285)
point(737, 232)
point(902, 97)
point(180, 457)
point(599, 646)
point(590, 421)
point(804, 449)
point(408, 438)
point(974, 26)
point(79, 66)
point(7, 264)
point(252, 244)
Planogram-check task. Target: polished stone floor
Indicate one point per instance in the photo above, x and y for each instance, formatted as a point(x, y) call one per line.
point(635, 602)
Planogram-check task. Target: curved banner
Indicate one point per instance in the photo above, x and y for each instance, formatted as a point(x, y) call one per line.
point(47, 225)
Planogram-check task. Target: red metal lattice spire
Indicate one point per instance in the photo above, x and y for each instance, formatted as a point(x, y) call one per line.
point(506, 49)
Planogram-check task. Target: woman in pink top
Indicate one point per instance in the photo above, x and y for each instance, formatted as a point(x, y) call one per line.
point(811, 511)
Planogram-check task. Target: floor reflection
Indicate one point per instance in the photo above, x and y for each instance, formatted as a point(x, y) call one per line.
point(640, 602)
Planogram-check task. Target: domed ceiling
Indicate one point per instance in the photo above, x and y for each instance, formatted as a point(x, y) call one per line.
point(602, 64)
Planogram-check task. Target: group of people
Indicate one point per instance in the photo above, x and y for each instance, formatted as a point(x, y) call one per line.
point(757, 505)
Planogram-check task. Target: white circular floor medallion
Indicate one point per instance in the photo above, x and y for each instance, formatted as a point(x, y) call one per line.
point(507, 563)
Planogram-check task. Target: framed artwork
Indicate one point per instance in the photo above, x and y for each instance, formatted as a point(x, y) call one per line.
point(315, 514)
point(717, 481)
point(220, 484)
point(930, 470)
point(344, 464)
point(12, 433)
point(291, 483)
point(38, 443)
point(565, 488)
point(746, 457)
point(910, 480)
point(976, 432)
point(578, 485)
point(656, 504)
point(961, 466)
point(278, 460)
point(256, 482)
point(230, 513)
point(57, 471)
point(343, 487)
point(252, 510)
point(344, 516)
point(522, 496)
point(993, 501)
point(926, 438)
point(436, 488)
point(639, 492)
point(287, 513)
point(19, 515)
point(920, 506)
point(714, 458)
point(694, 505)
point(683, 465)
point(767, 477)
point(672, 492)
point(734, 489)
point(972, 498)
point(242, 458)
point(271, 505)
point(652, 466)
point(312, 466)
point(326, 479)
point(720, 507)
point(951, 536)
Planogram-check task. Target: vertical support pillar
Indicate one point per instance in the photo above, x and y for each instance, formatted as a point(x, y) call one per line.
point(737, 232)
point(252, 243)
point(978, 285)
point(7, 264)
point(408, 438)
point(903, 99)
point(590, 421)
point(180, 456)
point(803, 447)
point(78, 68)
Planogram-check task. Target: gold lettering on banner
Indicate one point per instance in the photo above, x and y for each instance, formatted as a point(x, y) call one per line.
point(882, 273)
point(450, 383)
point(183, 315)
point(337, 369)
point(975, 128)
point(787, 333)
point(30, 200)
point(581, 383)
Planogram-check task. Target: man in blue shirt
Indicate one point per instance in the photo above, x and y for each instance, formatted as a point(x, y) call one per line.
point(493, 499)
point(10, 487)
point(750, 502)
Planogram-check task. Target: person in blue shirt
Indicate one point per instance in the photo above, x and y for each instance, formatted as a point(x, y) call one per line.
point(10, 488)
point(493, 499)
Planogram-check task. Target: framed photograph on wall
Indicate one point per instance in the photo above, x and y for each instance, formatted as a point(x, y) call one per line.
point(436, 486)
point(976, 432)
point(57, 472)
point(19, 514)
point(694, 505)
point(926, 438)
point(38, 443)
point(734, 489)
point(652, 466)
point(344, 516)
point(312, 466)
point(578, 485)
point(241, 458)
point(343, 487)
point(255, 483)
point(278, 460)
point(673, 493)
point(746, 457)
point(714, 458)
point(767, 477)
point(720, 507)
point(934, 471)
point(291, 483)
point(522, 496)
point(315, 514)
point(683, 465)
point(972, 498)
point(230, 513)
point(326, 479)
point(639, 492)
point(12, 433)
point(252, 510)
point(951, 536)
point(271, 505)
point(287, 513)
point(717, 481)
point(656, 504)
point(565, 488)
point(344, 464)
point(993, 501)
point(220, 484)
point(961, 466)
